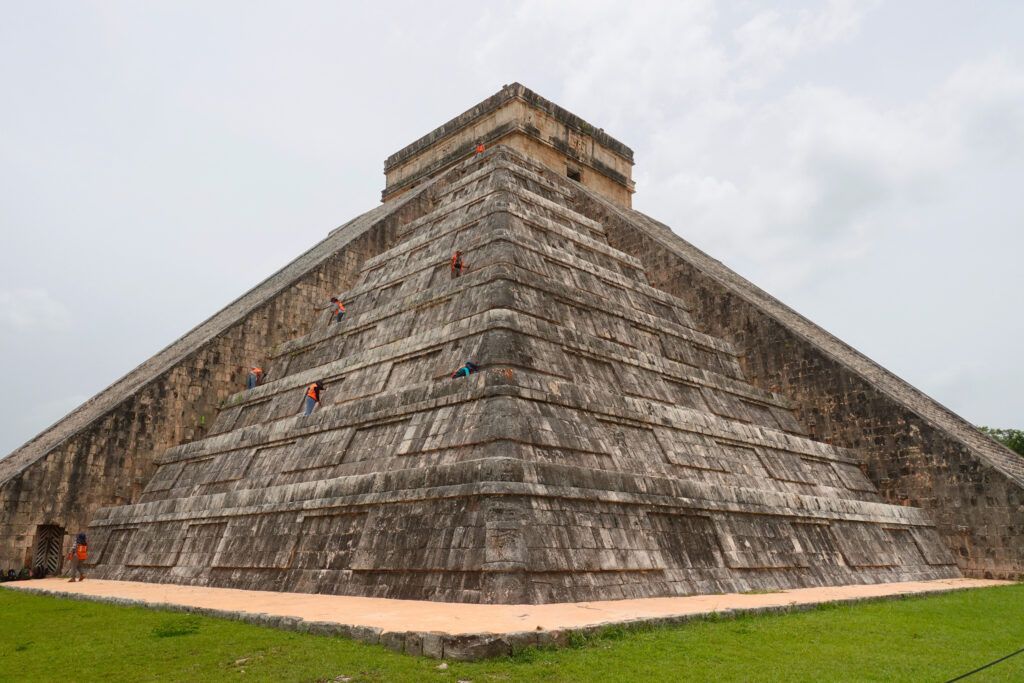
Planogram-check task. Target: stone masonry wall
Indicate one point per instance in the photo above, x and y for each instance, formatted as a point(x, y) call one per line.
point(103, 453)
point(918, 453)
point(520, 119)
point(606, 449)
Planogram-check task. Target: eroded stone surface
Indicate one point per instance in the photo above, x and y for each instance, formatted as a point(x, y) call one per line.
point(647, 423)
point(608, 449)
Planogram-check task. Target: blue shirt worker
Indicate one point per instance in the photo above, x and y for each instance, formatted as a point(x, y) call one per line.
point(465, 370)
point(313, 396)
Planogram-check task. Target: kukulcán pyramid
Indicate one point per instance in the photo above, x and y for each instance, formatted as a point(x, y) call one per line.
point(607, 448)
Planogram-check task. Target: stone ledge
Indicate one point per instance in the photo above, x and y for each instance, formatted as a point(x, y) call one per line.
point(508, 92)
point(510, 476)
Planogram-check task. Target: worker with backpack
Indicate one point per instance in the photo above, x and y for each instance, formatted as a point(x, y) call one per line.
point(338, 312)
point(78, 555)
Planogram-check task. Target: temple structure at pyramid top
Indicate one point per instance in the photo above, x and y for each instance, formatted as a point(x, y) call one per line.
point(644, 421)
point(519, 119)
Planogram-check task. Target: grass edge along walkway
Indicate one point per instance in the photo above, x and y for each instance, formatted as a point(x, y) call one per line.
point(462, 631)
point(936, 637)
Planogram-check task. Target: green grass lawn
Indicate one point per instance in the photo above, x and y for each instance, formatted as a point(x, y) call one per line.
point(915, 639)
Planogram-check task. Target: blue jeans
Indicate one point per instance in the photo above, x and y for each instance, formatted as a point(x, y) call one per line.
point(310, 404)
point(336, 318)
point(250, 381)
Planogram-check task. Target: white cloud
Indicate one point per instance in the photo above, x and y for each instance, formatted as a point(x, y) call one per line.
point(614, 65)
point(815, 174)
point(32, 310)
point(770, 39)
point(986, 102)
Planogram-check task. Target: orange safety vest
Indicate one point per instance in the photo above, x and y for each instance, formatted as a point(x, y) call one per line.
point(256, 371)
point(313, 392)
point(340, 309)
point(479, 148)
point(81, 552)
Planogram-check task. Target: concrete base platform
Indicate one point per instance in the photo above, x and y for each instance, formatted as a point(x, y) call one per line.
point(458, 630)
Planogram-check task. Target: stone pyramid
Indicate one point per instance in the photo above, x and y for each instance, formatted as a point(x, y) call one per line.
point(608, 447)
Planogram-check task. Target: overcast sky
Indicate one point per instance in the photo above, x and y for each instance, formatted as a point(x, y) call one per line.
point(863, 162)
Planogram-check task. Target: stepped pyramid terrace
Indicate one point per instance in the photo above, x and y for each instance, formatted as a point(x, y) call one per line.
point(644, 422)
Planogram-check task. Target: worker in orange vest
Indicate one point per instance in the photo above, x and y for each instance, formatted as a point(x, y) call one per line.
point(339, 311)
point(457, 265)
point(313, 396)
point(79, 553)
point(255, 375)
point(479, 147)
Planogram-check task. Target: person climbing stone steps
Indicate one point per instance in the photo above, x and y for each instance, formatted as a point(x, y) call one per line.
point(465, 370)
point(255, 375)
point(313, 396)
point(339, 311)
point(457, 265)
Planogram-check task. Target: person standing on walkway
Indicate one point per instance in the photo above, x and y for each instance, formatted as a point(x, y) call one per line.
point(79, 553)
point(339, 311)
point(457, 264)
point(255, 375)
point(313, 396)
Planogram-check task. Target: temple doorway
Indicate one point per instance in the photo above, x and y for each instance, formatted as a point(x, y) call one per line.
point(49, 549)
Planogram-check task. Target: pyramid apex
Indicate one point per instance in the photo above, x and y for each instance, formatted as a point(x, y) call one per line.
point(519, 118)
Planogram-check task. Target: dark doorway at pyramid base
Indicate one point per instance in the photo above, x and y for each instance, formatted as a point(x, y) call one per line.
point(49, 546)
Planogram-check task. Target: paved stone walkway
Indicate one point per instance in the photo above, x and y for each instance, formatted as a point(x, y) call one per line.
point(461, 619)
